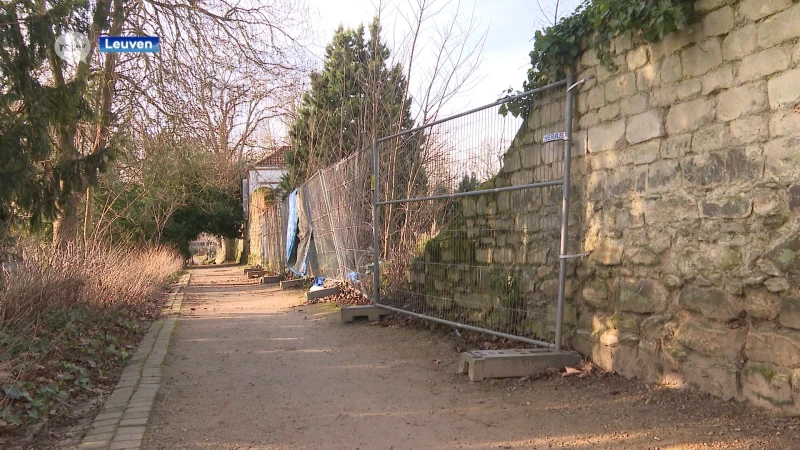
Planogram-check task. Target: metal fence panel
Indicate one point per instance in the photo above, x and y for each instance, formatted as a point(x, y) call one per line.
point(469, 219)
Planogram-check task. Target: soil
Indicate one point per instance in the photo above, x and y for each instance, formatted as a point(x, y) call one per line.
point(251, 367)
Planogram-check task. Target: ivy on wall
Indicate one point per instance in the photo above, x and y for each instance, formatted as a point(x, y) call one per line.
point(594, 24)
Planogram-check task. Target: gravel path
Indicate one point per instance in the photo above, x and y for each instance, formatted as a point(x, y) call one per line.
point(250, 369)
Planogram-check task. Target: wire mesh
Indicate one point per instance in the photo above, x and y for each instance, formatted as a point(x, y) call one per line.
point(489, 260)
point(273, 238)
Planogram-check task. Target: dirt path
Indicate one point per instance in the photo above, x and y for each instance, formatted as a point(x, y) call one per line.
point(248, 371)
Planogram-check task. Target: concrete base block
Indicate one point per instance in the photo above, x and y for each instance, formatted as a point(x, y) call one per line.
point(322, 293)
point(371, 312)
point(250, 269)
point(271, 279)
point(480, 364)
point(288, 284)
point(256, 273)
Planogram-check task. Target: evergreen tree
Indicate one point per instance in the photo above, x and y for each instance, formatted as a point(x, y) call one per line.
point(355, 98)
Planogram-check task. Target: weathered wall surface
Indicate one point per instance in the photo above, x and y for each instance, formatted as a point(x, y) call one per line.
point(692, 206)
point(686, 174)
point(258, 202)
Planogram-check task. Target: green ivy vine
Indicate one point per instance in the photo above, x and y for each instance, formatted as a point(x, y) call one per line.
point(594, 24)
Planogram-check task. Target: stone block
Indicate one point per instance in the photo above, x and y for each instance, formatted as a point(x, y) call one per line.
point(671, 69)
point(740, 43)
point(718, 22)
point(722, 78)
point(782, 158)
point(311, 295)
point(780, 27)
point(689, 116)
point(741, 101)
point(732, 207)
point(596, 98)
point(663, 176)
point(644, 127)
point(289, 284)
point(704, 170)
point(634, 105)
point(778, 284)
point(750, 129)
point(712, 339)
point(757, 9)
point(642, 153)
point(790, 312)
point(786, 256)
point(779, 347)
point(606, 136)
point(607, 253)
point(371, 312)
point(482, 364)
point(689, 88)
point(608, 112)
point(620, 87)
point(710, 375)
point(783, 89)
point(710, 302)
point(764, 63)
point(670, 210)
point(637, 57)
point(589, 120)
point(662, 97)
point(768, 386)
point(649, 76)
point(702, 57)
point(793, 199)
point(744, 164)
point(785, 123)
point(604, 160)
point(641, 296)
point(710, 138)
point(676, 146)
point(589, 58)
point(677, 40)
point(595, 294)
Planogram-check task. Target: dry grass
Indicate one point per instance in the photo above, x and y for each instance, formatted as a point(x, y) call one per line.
point(95, 276)
point(69, 321)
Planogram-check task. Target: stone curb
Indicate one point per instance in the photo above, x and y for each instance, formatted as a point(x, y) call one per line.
point(122, 422)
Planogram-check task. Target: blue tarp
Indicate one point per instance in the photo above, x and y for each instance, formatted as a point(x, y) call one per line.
point(298, 234)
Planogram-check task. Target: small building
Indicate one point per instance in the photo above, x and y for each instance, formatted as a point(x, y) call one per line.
point(262, 210)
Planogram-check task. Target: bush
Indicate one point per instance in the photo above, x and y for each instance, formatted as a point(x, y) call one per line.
point(44, 278)
point(69, 319)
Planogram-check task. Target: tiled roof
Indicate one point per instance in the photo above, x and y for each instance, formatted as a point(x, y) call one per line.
point(274, 159)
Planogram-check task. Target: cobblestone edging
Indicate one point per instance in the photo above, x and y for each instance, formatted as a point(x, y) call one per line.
point(122, 422)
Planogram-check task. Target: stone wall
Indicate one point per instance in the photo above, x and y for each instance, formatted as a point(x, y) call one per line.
point(692, 207)
point(686, 174)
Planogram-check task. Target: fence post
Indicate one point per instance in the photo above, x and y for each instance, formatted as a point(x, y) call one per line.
point(376, 270)
point(562, 267)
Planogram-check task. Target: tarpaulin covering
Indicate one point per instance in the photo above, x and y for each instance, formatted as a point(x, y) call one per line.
point(298, 233)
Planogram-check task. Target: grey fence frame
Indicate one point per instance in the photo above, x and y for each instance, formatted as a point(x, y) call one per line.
point(564, 182)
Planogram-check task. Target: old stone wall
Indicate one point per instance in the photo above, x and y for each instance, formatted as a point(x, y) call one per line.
point(686, 182)
point(692, 206)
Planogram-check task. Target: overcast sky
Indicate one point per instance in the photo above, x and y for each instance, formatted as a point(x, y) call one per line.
point(509, 26)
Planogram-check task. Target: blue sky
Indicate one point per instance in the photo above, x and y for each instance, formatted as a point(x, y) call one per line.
point(509, 26)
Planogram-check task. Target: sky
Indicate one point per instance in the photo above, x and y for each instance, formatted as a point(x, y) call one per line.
point(509, 27)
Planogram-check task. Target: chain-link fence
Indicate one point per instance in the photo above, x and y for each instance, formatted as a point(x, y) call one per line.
point(466, 216)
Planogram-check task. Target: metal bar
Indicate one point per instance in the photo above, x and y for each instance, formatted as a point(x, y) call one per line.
point(473, 193)
point(562, 269)
point(376, 267)
point(467, 327)
point(474, 110)
point(330, 220)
